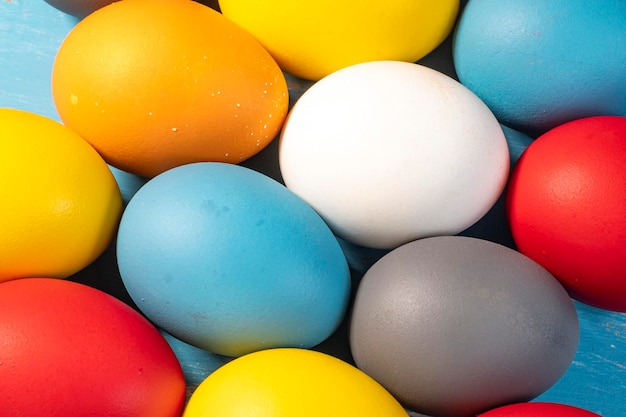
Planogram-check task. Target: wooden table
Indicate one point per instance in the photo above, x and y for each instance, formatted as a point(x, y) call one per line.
point(30, 33)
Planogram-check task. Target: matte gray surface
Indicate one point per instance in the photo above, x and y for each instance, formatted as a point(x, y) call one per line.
point(454, 325)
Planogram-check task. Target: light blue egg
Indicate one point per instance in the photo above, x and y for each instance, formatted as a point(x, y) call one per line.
point(540, 63)
point(229, 260)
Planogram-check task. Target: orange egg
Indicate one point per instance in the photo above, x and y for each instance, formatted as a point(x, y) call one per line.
point(153, 84)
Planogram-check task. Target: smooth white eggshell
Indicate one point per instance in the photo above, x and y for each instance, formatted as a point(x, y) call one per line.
point(388, 152)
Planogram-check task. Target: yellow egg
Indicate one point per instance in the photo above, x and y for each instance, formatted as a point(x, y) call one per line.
point(60, 202)
point(289, 382)
point(310, 39)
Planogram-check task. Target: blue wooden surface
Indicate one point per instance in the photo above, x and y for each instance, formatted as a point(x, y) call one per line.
point(30, 33)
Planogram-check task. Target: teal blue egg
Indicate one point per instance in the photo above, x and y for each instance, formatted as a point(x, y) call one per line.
point(229, 260)
point(540, 63)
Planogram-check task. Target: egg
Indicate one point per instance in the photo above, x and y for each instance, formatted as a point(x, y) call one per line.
point(565, 205)
point(538, 64)
point(291, 382)
point(72, 350)
point(388, 152)
point(311, 39)
point(538, 409)
point(78, 8)
point(493, 226)
point(191, 86)
point(229, 260)
point(61, 203)
point(453, 326)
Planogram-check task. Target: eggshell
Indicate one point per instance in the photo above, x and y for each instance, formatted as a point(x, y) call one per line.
point(540, 63)
point(229, 260)
point(311, 39)
point(291, 382)
point(453, 326)
point(538, 409)
point(71, 350)
point(566, 202)
point(388, 152)
point(493, 226)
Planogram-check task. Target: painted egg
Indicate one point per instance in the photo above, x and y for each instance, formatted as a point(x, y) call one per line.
point(538, 409)
point(492, 226)
point(453, 326)
point(291, 382)
point(566, 202)
point(388, 152)
point(327, 35)
point(229, 260)
point(72, 350)
point(191, 86)
point(61, 204)
point(538, 64)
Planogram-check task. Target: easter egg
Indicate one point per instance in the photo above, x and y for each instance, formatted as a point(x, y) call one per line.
point(538, 409)
point(388, 152)
point(291, 382)
point(566, 202)
point(539, 64)
point(60, 202)
point(453, 326)
point(191, 86)
point(492, 226)
point(312, 39)
point(72, 350)
point(229, 260)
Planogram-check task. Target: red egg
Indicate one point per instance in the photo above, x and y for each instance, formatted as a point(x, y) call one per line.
point(566, 206)
point(538, 409)
point(67, 349)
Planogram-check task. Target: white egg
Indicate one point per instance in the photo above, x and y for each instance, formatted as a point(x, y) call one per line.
point(388, 152)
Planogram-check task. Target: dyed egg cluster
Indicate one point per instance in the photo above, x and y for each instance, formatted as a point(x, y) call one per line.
point(288, 171)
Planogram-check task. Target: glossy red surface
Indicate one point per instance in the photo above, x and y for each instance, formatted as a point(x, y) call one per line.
point(566, 205)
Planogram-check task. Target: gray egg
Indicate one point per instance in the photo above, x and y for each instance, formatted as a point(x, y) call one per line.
point(453, 326)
